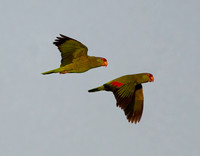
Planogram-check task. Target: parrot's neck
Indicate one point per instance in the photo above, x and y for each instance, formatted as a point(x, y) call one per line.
point(94, 61)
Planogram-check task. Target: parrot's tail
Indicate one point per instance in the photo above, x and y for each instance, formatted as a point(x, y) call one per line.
point(97, 89)
point(51, 71)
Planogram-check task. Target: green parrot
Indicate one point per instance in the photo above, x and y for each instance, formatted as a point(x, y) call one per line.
point(128, 93)
point(74, 57)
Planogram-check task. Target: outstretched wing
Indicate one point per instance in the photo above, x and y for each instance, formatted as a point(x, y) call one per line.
point(134, 109)
point(70, 49)
point(129, 98)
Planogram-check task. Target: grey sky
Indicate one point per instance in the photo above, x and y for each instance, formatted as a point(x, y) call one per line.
point(55, 115)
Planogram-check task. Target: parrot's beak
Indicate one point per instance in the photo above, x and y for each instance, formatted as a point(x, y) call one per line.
point(105, 63)
point(151, 78)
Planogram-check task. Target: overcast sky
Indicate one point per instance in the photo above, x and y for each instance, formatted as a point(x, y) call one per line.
point(52, 115)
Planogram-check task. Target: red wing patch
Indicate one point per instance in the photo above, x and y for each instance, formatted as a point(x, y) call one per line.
point(117, 84)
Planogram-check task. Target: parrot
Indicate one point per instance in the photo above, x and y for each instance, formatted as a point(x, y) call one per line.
point(74, 57)
point(128, 93)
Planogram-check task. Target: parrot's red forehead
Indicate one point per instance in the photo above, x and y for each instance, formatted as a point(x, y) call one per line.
point(105, 63)
point(151, 78)
point(104, 59)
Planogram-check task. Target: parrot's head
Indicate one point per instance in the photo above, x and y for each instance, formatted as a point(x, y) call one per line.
point(144, 77)
point(102, 61)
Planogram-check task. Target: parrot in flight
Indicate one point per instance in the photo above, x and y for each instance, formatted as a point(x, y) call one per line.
point(74, 57)
point(128, 93)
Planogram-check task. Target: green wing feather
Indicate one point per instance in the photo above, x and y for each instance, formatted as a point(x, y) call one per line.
point(126, 90)
point(129, 97)
point(70, 49)
point(134, 109)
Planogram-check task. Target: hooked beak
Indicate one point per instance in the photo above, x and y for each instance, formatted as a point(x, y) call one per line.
point(105, 63)
point(151, 78)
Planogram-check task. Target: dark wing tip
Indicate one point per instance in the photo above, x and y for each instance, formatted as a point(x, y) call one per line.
point(134, 117)
point(60, 40)
point(131, 114)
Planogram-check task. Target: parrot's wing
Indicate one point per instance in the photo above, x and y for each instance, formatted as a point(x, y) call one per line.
point(129, 98)
point(121, 91)
point(134, 109)
point(70, 49)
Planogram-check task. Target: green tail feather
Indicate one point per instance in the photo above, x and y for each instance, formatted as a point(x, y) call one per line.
point(96, 89)
point(52, 71)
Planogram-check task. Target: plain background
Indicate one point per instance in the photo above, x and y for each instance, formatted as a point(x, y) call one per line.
point(55, 115)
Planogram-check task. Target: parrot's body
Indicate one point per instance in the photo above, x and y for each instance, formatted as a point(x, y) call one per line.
point(128, 93)
point(74, 57)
